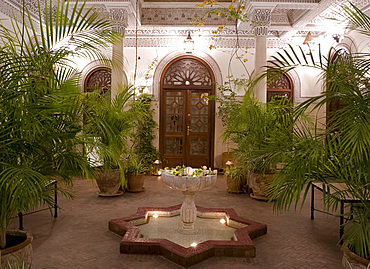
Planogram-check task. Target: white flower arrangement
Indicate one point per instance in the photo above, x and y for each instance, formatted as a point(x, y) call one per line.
point(189, 171)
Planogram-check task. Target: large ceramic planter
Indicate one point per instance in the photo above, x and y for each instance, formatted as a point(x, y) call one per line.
point(19, 253)
point(352, 261)
point(135, 183)
point(259, 183)
point(109, 183)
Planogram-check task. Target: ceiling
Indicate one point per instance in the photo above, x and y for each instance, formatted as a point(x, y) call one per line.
point(163, 17)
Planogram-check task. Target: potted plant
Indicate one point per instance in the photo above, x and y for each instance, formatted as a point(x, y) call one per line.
point(136, 173)
point(235, 180)
point(341, 151)
point(142, 154)
point(107, 124)
point(143, 132)
point(250, 128)
point(40, 110)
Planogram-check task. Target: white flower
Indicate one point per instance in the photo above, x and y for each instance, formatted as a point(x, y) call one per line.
point(189, 171)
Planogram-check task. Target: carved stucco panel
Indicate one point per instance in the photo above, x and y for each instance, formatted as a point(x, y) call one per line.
point(262, 21)
point(119, 16)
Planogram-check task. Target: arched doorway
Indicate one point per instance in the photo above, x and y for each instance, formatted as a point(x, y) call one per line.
point(280, 88)
point(187, 118)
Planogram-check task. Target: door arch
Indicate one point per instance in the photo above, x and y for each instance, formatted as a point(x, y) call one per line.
point(187, 117)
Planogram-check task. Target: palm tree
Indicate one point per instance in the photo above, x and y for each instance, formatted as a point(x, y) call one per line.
point(107, 126)
point(341, 151)
point(39, 102)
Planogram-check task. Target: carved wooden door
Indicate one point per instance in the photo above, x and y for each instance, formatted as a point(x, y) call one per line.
point(187, 117)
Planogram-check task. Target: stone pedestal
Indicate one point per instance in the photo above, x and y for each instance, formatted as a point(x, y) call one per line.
point(188, 211)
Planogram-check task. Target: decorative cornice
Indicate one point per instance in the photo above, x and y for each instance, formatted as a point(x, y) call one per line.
point(175, 42)
point(262, 20)
point(183, 16)
point(13, 8)
point(119, 16)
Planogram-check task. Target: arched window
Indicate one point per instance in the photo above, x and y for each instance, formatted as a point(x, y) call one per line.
point(100, 78)
point(280, 88)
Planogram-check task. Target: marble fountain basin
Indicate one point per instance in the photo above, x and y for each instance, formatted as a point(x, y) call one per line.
point(189, 184)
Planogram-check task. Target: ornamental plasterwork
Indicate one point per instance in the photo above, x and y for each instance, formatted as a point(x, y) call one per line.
point(177, 42)
point(290, 2)
point(176, 16)
point(262, 19)
point(295, 15)
point(279, 18)
point(174, 37)
point(31, 5)
point(335, 8)
point(181, 31)
point(262, 16)
point(119, 16)
point(10, 9)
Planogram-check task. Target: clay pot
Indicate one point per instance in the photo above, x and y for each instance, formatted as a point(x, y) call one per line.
point(19, 252)
point(135, 183)
point(235, 185)
point(352, 261)
point(109, 183)
point(259, 184)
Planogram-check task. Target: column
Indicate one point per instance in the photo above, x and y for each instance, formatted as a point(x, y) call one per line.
point(262, 18)
point(120, 17)
point(117, 67)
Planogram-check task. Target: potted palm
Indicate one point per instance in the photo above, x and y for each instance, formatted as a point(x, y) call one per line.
point(142, 154)
point(251, 129)
point(235, 180)
point(338, 153)
point(107, 123)
point(136, 173)
point(40, 110)
point(230, 107)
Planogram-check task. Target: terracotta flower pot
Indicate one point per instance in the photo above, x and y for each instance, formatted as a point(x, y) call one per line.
point(235, 185)
point(19, 250)
point(135, 183)
point(352, 261)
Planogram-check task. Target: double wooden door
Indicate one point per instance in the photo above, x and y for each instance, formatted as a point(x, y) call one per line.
point(187, 116)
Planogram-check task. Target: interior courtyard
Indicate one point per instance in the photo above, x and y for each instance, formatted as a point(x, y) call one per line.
point(157, 86)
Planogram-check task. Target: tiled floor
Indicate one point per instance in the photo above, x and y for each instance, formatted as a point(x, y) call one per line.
point(79, 237)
